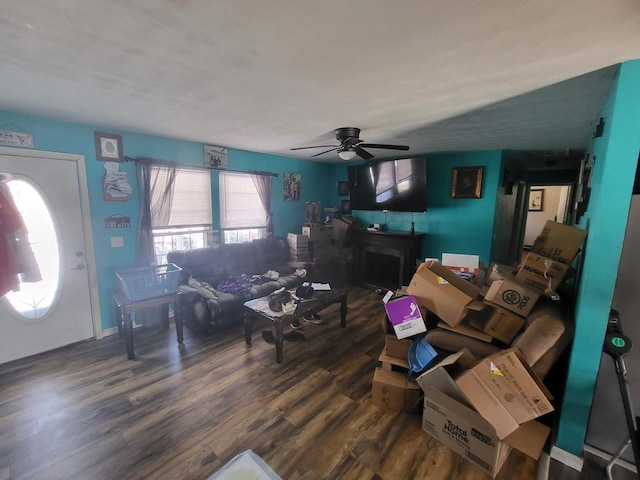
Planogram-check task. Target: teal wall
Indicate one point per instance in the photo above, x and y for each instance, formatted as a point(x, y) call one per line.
point(452, 225)
point(57, 136)
point(616, 158)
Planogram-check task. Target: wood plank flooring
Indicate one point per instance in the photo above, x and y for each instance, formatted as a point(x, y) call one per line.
point(86, 412)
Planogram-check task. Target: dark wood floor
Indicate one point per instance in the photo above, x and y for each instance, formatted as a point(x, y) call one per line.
point(86, 412)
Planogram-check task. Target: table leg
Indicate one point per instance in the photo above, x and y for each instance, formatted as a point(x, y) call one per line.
point(119, 320)
point(127, 327)
point(177, 317)
point(343, 311)
point(279, 339)
point(248, 320)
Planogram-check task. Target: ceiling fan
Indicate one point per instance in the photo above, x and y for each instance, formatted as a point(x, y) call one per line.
point(350, 145)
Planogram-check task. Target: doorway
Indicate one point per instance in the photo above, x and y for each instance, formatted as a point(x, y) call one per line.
point(545, 202)
point(61, 306)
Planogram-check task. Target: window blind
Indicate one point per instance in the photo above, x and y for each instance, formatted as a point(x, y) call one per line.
point(240, 204)
point(191, 203)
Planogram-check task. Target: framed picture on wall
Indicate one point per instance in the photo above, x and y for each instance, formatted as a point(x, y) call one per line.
point(345, 207)
point(536, 200)
point(343, 189)
point(467, 182)
point(108, 147)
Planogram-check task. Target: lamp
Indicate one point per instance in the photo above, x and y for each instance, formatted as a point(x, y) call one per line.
point(346, 154)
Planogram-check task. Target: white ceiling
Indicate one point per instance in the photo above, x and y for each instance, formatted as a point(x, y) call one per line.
point(266, 76)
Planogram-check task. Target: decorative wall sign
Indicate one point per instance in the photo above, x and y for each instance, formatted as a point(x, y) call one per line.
point(291, 187)
point(16, 139)
point(108, 147)
point(117, 221)
point(215, 157)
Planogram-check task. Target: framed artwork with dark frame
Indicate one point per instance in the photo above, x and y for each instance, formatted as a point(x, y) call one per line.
point(345, 207)
point(108, 147)
point(467, 182)
point(343, 189)
point(536, 200)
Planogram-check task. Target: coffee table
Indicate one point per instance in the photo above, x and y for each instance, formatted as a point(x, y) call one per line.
point(322, 299)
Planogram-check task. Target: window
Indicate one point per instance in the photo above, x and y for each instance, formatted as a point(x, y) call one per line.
point(242, 215)
point(189, 223)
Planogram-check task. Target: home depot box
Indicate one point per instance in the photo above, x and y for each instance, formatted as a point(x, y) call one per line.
point(392, 390)
point(442, 292)
point(541, 274)
point(559, 242)
point(505, 391)
point(405, 316)
point(449, 418)
point(499, 323)
point(397, 347)
point(512, 296)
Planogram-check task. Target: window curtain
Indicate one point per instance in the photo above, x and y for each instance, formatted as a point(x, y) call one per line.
point(263, 187)
point(157, 181)
point(156, 184)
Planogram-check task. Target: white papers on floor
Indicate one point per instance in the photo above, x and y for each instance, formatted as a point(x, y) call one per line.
point(246, 466)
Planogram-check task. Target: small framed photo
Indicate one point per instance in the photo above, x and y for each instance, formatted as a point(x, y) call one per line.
point(345, 207)
point(343, 189)
point(536, 200)
point(108, 147)
point(467, 182)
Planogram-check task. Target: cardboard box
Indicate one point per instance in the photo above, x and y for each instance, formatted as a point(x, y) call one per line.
point(448, 417)
point(341, 232)
point(405, 316)
point(392, 390)
point(541, 274)
point(319, 234)
point(387, 362)
point(397, 347)
point(559, 242)
point(499, 323)
point(443, 293)
point(512, 296)
point(505, 391)
point(464, 431)
point(499, 271)
point(297, 241)
point(467, 330)
point(466, 266)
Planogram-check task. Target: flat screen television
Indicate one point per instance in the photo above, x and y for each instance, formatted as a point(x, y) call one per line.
point(393, 185)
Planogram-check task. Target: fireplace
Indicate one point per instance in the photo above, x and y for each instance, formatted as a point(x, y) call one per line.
point(381, 269)
point(385, 258)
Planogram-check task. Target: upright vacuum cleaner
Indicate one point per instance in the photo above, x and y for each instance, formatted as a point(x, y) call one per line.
point(616, 345)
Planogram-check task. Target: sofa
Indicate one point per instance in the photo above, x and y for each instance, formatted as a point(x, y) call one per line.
point(216, 281)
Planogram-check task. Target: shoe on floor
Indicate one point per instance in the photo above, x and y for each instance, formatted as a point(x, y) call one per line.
point(315, 319)
point(296, 325)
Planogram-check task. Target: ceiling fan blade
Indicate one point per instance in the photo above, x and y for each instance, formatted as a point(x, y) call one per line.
point(314, 146)
point(362, 153)
point(326, 151)
point(384, 145)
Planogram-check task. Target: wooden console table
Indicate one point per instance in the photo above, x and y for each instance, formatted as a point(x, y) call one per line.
point(404, 246)
point(125, 307)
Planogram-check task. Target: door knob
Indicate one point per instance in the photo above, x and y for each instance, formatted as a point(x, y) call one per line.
point(80, 266)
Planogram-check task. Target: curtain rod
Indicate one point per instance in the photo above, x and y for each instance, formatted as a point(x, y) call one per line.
point(197, 167)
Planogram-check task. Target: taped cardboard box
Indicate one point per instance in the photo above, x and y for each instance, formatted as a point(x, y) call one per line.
point(512, 296)
point(387, 362)
point(448, 417)
point(505, 391)
point(559, 242)
point(397, 347)
point(498, 323)
point(541, 274)
point(445, 294)
point(392, 390)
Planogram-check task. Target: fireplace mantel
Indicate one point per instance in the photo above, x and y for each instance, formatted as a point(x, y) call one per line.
point(403, 245)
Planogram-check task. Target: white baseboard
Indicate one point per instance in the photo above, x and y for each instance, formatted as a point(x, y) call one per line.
point(608, 457)
point(566, 458)
point(543, 467)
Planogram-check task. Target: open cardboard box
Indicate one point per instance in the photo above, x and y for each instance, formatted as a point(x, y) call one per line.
point(444, 293)
point(449, 417)
point(559, 242)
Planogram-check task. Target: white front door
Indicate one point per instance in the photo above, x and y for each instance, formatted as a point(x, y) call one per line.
point(50, 191)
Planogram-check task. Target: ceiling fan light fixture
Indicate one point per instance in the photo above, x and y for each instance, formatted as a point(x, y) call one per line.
point(347, 154)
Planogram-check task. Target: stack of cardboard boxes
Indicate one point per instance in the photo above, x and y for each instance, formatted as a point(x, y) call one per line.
point(298, 247)
point(483, 407)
